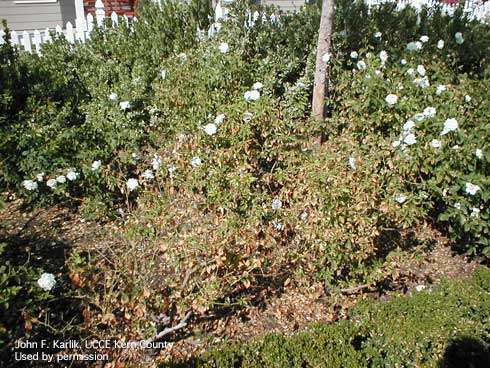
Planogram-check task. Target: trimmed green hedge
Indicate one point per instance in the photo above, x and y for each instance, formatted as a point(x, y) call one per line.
point(445, 327)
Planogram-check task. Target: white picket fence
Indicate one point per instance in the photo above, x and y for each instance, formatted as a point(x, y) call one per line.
point(32, 41)
point(474, 9)
point(80, 31)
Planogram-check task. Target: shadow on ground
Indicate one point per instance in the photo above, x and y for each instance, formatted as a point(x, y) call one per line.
point(26, 311)
point(465, 352)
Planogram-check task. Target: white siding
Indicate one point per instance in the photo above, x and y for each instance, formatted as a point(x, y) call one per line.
point(286, 5)
point(32, 16)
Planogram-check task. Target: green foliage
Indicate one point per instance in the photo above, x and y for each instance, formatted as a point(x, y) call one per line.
point(356, 29)
point(21, 300)
point(56, 114)
point(433, 179)
point(408, 331)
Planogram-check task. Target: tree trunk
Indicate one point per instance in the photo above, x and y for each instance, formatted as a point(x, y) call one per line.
point(321, 69)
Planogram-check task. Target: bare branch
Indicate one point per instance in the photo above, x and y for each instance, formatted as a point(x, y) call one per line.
point(354, 289)
point(169, 330)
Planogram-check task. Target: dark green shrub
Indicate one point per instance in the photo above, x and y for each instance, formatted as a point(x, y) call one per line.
point(408, 331)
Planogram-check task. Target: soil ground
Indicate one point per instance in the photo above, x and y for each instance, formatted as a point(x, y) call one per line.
point(292, 310)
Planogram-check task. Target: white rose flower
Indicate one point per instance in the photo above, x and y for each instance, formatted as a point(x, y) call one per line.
point(411, 46)
point(30, 184)
point(410, 71)
point(276, 204)
point(61, 179)
point(148, 174)
point(171, 171)
point(421, 70)
point(247, 117)
point(414, 46)
point(47, 281)
point(278, 225)
point(400, 198)
point(52, 183)
point(440, 88)
point(475, 212)
point(113, 96)
point(429, 112)
point(367, 76)
point(224, 48)
point(196, 161)
point(326, 57)
point(395, 143)
point(421, 82)
point(40, 176)
point(419, 116)
point(257, 86)
point(410, 139)
point(457, 205)
point(408, 126)
point(219, 119)
point(125, 105)
point(156, 162)
point(361, 65)
point(403, 62)
point(72, 175)
point(440, 44)
point(96, 165)
point(210, 129)
point(251, 95)
point(450, 125)
point(471, 189)
point(132, 184)
point(424, 39)
point(479, 153)
point(435, 143)
point(459, 38)
point(467, 98)
point(352, 163)
point(383, 56)
point(354, 55)
point(391, 99)
point(378, 73)
point(378, 35)
point(182, 138)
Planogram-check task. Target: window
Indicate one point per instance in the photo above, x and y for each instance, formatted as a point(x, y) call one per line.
point(34, 1)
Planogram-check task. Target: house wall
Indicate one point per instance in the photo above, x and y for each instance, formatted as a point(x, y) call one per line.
point(36, 14)
point(286, 5)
